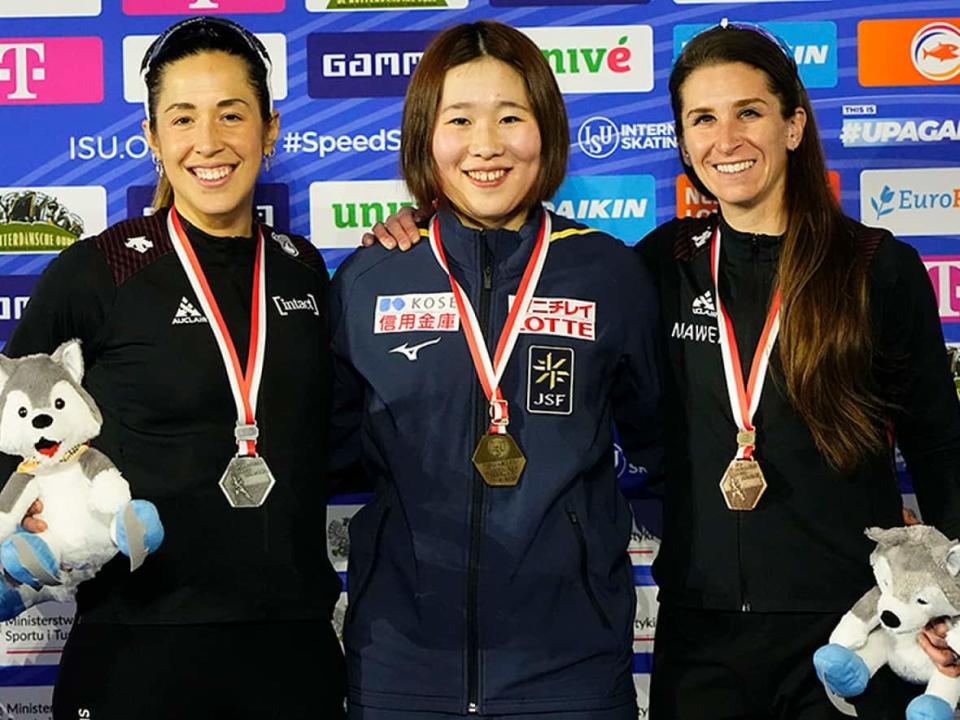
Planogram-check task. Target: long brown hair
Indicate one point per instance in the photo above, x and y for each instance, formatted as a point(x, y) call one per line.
point(462, 44)
point(825, 338)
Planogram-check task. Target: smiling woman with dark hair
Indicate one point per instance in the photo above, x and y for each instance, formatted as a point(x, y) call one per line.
point(772, 480)
point(215, 407)
point(489, 575)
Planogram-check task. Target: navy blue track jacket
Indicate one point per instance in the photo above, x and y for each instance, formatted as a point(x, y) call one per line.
point(466, 598)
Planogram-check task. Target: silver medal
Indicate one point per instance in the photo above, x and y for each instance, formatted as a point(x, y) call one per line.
point(247, 481)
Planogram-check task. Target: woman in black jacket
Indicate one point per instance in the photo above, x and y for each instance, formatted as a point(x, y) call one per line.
point(231, 617)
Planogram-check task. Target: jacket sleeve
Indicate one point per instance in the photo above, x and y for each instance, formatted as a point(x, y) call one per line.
point(71, 300)
point(637, 385)
point(926, 416)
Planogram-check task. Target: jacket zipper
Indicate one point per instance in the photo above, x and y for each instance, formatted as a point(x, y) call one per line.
point(476, 503)
point(744, 593)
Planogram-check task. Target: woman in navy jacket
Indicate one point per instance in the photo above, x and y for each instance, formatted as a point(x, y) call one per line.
point(489, 574)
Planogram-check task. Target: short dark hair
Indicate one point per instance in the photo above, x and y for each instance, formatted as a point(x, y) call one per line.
point(461, 44)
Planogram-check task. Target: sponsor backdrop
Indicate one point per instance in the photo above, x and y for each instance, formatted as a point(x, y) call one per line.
point(884, 78)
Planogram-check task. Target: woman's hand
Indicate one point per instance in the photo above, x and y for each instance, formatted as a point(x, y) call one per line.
point(399, 230)
point(933, 641)
point(31, 523)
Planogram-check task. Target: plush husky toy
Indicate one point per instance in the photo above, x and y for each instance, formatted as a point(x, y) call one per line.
point(916, 569)
point(48, 419)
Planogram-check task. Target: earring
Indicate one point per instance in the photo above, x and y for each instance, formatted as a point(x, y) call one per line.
point(158, 164)
point(268, 157)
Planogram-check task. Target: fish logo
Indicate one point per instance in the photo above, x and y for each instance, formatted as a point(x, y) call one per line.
point(935, 51)
point(943, 51)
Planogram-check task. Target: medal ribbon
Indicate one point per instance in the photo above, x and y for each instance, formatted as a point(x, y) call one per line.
point(490, 373)
point(744, 399)
point(245, 385)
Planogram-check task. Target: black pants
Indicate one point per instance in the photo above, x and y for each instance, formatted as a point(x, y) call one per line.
point(712, 665)
point(234, 671)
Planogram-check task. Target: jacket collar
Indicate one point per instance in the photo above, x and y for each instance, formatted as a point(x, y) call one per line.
point(510, 249)
point(744, 246)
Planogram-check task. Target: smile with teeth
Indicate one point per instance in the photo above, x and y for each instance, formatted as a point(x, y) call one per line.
point(217, 173)
point(730, 168)
point(486, 176)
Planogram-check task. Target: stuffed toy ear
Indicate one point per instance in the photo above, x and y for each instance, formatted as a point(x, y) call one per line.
point(952, 560)
point(886, 536)
point(70, 357)
point(6, 370)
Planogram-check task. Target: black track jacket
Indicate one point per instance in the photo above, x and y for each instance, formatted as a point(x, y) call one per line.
point(155, 371)
point(802, 549)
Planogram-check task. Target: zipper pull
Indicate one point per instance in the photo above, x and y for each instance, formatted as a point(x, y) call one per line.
point(472, 709)
point(487, 277)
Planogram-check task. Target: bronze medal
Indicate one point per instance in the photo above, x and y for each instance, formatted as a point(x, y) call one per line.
point(743, 484)
point(498, 460)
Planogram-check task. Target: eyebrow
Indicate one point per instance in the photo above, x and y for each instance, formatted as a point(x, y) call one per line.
point(190, 106)
point(501, 104)
point(737, 104)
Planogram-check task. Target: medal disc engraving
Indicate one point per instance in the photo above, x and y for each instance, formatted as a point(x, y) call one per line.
point(499, 460)
point(743, 484)
point(246, 482)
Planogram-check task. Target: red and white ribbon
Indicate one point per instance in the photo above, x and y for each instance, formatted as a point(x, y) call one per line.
point(244, 384)
point(490, 373)
point(744, 398)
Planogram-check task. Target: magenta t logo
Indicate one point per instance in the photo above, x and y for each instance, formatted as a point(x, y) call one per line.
point(50, 71)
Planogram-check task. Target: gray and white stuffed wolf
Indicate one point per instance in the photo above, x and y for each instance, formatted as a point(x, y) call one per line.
point(48, 419)
point(916, 569)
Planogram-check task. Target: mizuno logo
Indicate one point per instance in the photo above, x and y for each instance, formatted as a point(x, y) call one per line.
point(410, 352)
point(187, 314)
point(140, 244)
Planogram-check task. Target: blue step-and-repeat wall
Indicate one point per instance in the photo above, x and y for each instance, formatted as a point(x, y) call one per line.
point(884, 77)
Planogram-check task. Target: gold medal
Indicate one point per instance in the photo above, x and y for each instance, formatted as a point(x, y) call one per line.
point(743, 484)
point(498, 460)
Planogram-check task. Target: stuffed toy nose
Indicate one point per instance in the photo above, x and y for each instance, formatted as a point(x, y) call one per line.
point(889, 619)
point(41, 421)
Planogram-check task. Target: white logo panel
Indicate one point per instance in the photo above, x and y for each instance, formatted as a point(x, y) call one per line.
point(49, 8)
point(65, 212)
point(912, 202)
point(561, 317)
point(598, 58)
point(135, 46)
point(340, 212)
point(426, 312)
